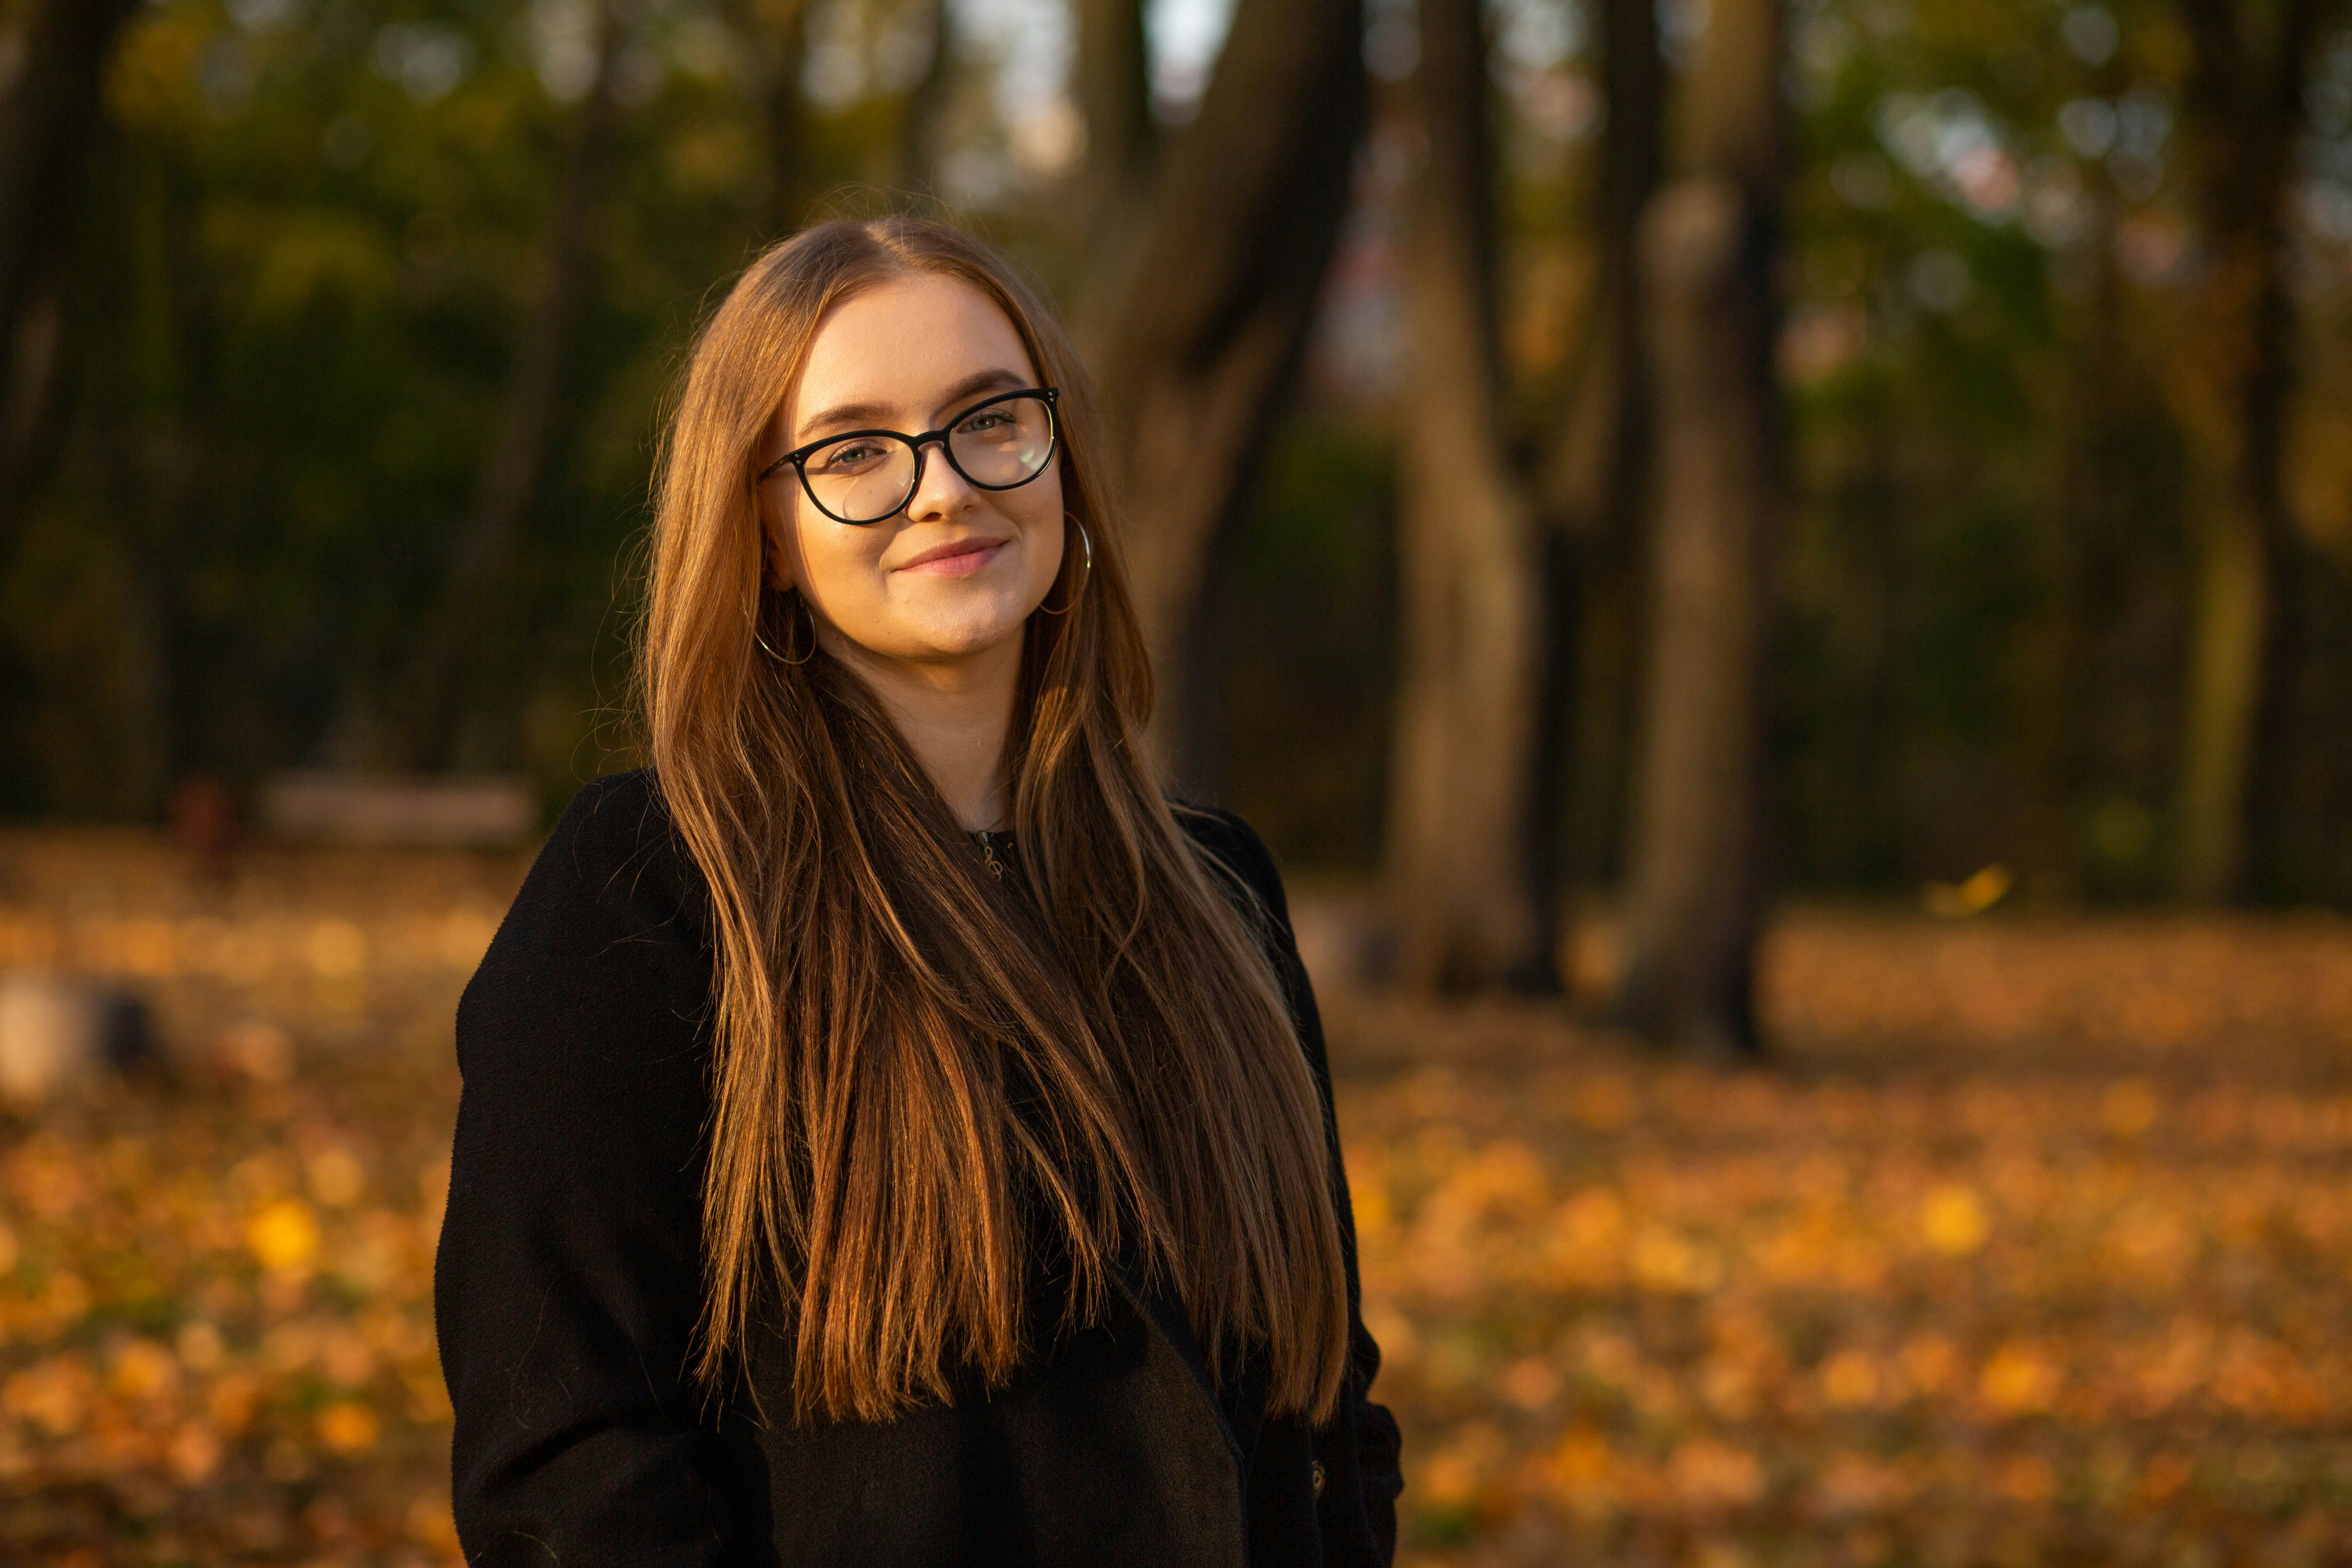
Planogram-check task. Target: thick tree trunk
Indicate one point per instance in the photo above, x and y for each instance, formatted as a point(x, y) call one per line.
point(1460, 828)
point(2230, 658)
point(1589, 496)
point(1707, 246)
point(49, 118)
point(482, 561)
point(1593, 474)
point(1114, 96)
point(2245, 105)
point(1214, 313)
point(1111, 205)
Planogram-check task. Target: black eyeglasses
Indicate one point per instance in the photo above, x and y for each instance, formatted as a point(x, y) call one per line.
point(1000, 443)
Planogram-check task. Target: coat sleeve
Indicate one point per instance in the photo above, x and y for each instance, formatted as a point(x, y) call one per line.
point(567, 1283)
point(1360, 1447)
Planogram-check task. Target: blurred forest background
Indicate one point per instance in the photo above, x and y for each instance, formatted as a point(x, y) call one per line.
point(1839, 444)
point(1599, 470)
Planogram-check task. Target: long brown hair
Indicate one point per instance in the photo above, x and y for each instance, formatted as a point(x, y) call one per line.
point(931, 1089)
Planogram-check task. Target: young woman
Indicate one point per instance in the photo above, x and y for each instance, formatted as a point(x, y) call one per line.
point(893, 1133)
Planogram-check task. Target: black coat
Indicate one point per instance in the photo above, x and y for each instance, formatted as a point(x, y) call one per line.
point(569, 1283)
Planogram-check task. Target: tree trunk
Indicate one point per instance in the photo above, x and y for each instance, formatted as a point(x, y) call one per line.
point(48, 120)
point(1214, 314)
point(777, 31)
point(2228, 663)
point(483, 560)
point(1708, 249)
point(2245, 106)
point(1594, 472)
point(1110, 201)
point(1114, 95)
point(32, 399)
point(151, 459)
point(2065, 726)
point(920, 119)
point(1589, 495)
point(1460, 821)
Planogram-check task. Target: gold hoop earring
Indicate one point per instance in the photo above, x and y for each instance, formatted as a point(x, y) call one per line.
point(1086, 568)
point(804, 614)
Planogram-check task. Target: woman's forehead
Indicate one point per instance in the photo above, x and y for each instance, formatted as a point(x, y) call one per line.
point(902, 345)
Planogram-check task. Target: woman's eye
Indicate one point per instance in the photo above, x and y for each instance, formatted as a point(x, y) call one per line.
point(986, 423)
point(853, 455)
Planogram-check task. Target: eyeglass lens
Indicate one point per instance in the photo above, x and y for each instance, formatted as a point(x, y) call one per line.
point(864, 478)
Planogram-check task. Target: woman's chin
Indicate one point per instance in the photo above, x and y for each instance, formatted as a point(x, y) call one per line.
point(967, 621)
point(953, 639)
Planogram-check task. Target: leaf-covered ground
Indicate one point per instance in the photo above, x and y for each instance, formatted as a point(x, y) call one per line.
point(2034, 1245)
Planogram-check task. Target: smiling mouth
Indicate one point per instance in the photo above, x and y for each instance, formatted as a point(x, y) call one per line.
point(958, 558)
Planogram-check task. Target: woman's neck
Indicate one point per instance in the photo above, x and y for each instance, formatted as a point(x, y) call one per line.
point(953, 715)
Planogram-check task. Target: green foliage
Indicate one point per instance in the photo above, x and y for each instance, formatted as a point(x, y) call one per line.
point(315, 228)
point(1993, 261)
point(316, 232)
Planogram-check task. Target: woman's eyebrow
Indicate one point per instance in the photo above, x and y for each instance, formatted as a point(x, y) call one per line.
point(971, 387)
point(866, 413)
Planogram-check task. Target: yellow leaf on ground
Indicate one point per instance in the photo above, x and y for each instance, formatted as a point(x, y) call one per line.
point(284, 1235)
point(348, 1427)
point(1953, 1219)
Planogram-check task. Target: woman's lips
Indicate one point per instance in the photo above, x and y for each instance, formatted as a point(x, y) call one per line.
point(960, 559)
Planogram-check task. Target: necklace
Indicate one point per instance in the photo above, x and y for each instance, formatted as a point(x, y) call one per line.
point(990, 841)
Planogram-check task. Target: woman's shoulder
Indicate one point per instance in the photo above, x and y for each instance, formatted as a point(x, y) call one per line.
point(621, 819)
point(615, 849)
point(1233, 845)
point(611, 913)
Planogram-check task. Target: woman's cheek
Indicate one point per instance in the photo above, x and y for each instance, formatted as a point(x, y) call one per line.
point(1051, 533)
point(844, 578)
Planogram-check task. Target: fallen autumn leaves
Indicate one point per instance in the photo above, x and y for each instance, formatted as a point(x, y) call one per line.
point(216, 1315)
point(2035, 1247)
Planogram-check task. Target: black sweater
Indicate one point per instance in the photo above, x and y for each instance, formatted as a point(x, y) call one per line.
point(569, 1283)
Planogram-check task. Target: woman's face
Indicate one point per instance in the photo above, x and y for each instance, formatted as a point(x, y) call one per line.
point(955, 573)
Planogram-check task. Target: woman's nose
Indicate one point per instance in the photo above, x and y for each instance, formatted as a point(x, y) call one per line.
point(939, 490)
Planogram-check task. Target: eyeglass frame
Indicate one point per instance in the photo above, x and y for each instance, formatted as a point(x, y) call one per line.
point(799, 455)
